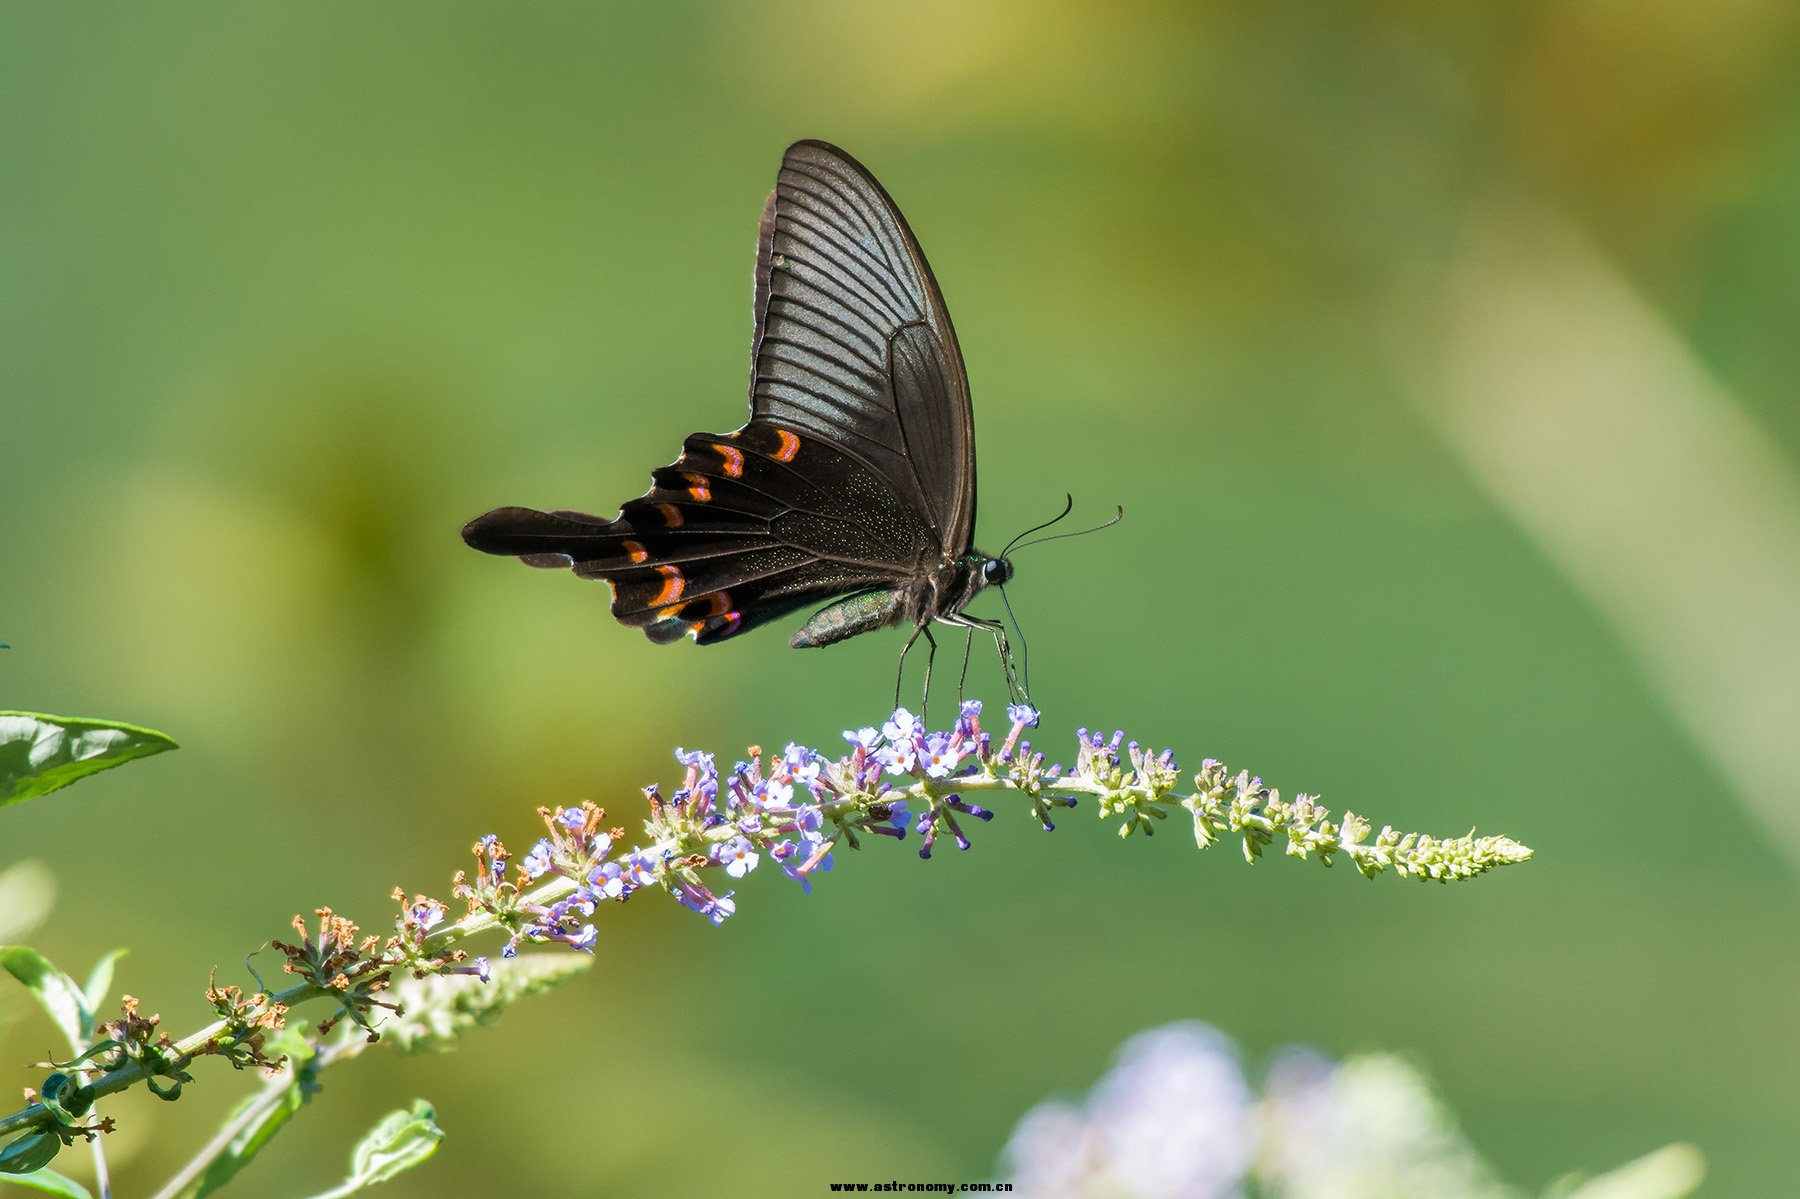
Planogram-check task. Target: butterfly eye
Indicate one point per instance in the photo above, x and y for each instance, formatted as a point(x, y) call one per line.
point(996, 570)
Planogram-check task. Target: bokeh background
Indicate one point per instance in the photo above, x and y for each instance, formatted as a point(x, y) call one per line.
point(1442, 357)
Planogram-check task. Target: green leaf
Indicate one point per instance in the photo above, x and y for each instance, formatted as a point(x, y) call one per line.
point(51, 1183)
point(277, 1106)
point(56, 992)
point(399, 1142)
point(66, 1096)
point(100, 982)
point(39, 753)
point(32, 1151)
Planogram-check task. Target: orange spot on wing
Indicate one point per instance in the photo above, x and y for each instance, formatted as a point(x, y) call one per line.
point(671, 515)
point(672, 586)
point(698, 489)
point(715, 604)
point(720, 625)
point(734, 460)
point(635, 551)
point(790, 446)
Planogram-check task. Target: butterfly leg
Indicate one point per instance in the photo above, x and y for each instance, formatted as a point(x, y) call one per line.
point(1014, 689)
point(930, 657)
point(900, 672)
point(962, 680)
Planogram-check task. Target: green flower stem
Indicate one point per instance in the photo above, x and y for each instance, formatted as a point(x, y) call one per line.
point(183, 1051)
point(1220, 805)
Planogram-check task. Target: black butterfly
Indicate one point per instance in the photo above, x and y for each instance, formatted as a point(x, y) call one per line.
point(855, 476)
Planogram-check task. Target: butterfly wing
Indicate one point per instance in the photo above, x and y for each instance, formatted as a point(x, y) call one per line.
point(854, 345)
point(743, 528)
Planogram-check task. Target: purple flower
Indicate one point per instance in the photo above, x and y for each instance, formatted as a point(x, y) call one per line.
point(481, 968)
point(702, 786)
point(902, 726)
point(805, 772)
point(536, 863)
point(495, 854)
point(863, 739)
point(737, 855)
point(1023, 716)
point(799, 860)
point(639, 869)
point(571, 817)
point(901, 757)
point(809, 822)
point(787, 855)
point(942, 755)
point(968, 719)
point(608, 881)
point(601, 845)
point(715, 908)
point(558, 914)
point(927, 829)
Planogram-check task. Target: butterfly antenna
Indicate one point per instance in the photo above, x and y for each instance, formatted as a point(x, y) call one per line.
point(1078, 533)
point(1068, 507)
point(1024, 648)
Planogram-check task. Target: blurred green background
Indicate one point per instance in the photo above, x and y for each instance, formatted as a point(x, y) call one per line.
point(1442, 357)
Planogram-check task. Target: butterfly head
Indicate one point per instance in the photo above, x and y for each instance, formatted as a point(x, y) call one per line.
point(996, 570)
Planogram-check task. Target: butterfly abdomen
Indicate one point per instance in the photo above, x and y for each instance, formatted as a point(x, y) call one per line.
point(848, 617)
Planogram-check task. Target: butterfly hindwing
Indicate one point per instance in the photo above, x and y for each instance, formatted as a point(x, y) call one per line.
point(734, 533)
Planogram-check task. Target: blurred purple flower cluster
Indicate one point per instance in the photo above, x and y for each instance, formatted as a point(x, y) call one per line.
point(1176, 1118)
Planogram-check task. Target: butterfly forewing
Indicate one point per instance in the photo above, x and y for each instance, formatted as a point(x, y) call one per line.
point(854, 344)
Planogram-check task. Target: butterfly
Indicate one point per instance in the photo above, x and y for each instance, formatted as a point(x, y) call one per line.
point(852, 485)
